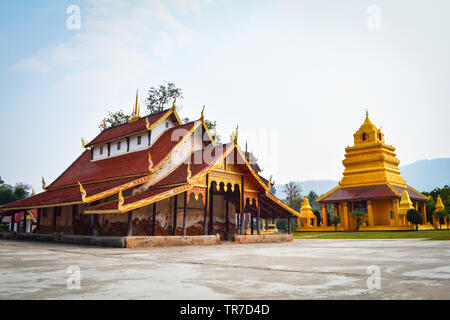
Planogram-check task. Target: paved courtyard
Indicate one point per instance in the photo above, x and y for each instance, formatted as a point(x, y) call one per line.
point(303, 269)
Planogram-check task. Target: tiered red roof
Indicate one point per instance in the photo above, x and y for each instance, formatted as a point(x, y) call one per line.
point(126, 129)
point(133, 163)
point(370, 192)
point(64, 195)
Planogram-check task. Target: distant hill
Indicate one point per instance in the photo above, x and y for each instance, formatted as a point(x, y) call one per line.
point(423, 175)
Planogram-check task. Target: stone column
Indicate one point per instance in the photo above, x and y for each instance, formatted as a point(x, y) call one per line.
point(324, 215)
point(370, 213)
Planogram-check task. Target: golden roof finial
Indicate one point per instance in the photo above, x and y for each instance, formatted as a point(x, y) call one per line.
point(174, 101)
point(367, 112)
point(147, 124)
point(104, 124)
point(44, 187)
point(150, 163)
point(83, 143)
point(135, 115)
point(236, 135)
point(32, 191)
point(202, 116)
point(189, 174)
point(83, 192)
point(270, 184)
point(121, 199)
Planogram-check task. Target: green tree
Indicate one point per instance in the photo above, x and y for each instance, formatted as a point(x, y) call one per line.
point(312, 196)
point(359, 216)
point(10, 194)
point(114, 119)
point(335, 220)
point(161, 97)
point(318, 217)
point(440, 215)
point(293, 195)
point(413, 216)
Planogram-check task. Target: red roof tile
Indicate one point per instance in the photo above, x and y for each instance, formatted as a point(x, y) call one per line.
point(360, 193)
point(133, 163)
point(126, 129)
point(412, 194)
point(64, 195)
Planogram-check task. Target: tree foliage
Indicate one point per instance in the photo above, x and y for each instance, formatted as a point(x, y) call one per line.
point(335, 220)
point(413, 216)
point(359, 216)
point(431, 204)
point(159, 98)
point(312, 196)
point(10, 194)
point(293, 195)
point(114, 119)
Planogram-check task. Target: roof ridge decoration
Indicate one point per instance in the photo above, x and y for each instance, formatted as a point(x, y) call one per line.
point(150, 163)
point(136, 110)
point(82, 191)
point(44, 187)
point(189, 174)
point(83, 143)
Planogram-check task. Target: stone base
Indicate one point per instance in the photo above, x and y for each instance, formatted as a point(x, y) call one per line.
point(170, 241)
point(263, 238)
point(114, 242)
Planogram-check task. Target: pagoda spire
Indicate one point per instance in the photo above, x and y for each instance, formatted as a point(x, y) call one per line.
point(136, 110)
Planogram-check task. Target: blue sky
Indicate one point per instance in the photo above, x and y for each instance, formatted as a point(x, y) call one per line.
point(296, 76)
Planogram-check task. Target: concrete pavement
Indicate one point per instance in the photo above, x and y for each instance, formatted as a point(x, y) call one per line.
point(303, 269)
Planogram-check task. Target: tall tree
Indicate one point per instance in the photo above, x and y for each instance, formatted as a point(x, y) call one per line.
point(114, 119)
point(161, 97)
point(293, 195)
point(10, 194)
point(312, 196)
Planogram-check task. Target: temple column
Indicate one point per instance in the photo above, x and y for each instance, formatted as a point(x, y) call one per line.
point(423, 210)
point(370, 213)
point(184, 213)
point(25, 221)
point(205, 228)
point(211, 211)
point(258, 217)
point(130, 224)
point(315, 222)
point(13, 220)
point(38, 222)
point(324, 214)
point(345, 216)
point(154, 219)
point(175, 211)
point(74, 213)
point(242, 203)
point(227, 218)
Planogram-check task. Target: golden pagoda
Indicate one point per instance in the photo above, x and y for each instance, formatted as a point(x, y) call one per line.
point(439, 204)
point(307, 214)
point(371, 183)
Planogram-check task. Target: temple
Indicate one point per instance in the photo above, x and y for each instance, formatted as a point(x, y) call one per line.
point(371, 184)
point(156, 176)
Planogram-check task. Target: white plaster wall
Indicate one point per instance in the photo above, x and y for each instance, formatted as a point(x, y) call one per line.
point(123, 147)
point(134, 146)
point(159, 130)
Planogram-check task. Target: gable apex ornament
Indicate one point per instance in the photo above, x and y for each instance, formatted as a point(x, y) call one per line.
point(44, 187)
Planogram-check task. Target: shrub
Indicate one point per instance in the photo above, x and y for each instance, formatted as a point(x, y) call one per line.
point(413, 216)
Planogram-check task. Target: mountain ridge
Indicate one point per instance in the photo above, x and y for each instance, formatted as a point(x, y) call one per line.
point(423, 175)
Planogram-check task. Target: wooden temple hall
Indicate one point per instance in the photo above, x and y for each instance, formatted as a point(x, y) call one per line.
point(156, 176)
